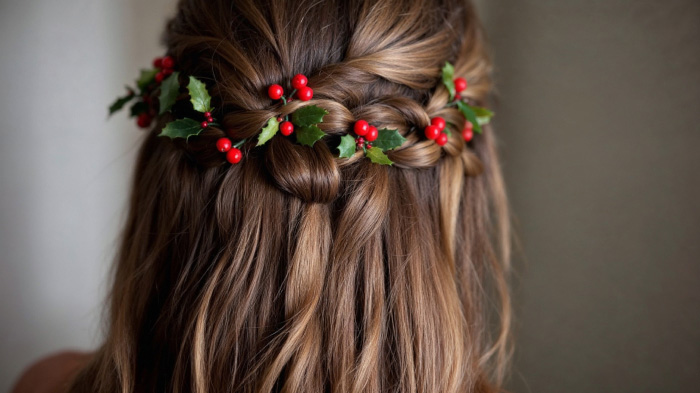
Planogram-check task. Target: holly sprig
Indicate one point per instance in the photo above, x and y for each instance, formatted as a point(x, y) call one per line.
point(201, 102)
point(166, 82)
point(304, 121)
point(372, 142)
point(476, 115)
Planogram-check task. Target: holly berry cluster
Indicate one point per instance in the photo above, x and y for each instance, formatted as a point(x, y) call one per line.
point(436, 131)
point(165, 66)
point(233, 153)
point(366, 134)
point(301, 90)
point(209, 119)
point(468, 129)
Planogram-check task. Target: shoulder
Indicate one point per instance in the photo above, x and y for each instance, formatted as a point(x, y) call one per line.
point(51, 374)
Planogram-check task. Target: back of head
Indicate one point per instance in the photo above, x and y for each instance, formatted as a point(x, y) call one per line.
point(294, 270)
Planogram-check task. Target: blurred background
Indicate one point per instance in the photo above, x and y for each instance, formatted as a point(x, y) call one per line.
point(598, 114)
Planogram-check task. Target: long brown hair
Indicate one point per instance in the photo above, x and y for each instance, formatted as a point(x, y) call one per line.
point(296, 271)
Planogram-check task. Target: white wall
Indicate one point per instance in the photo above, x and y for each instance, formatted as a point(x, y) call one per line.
point(64, 169)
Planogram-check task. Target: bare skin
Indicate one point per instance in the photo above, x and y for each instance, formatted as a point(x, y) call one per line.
point(52, 374)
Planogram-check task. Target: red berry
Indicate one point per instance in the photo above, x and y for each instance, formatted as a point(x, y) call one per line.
point(438, 122)
point(223, 145)
point(167, 71)
point(168, 62)
point(205, 124)
point(467, 134)
point(234, 156)
point(159, 76)
point(468, 125)
point(361, 127)
point(210, 119)
point(144, 120)
point(431, 132)
point(286, 128)
point(207, 114)
point(460, 84)
point(280, 119)
point(299, 81)
point(369, 145)
point(360, 140)
point(305, 93)
point(441, 139)
point(275, 92)
point(158, 62)
point(372, 134)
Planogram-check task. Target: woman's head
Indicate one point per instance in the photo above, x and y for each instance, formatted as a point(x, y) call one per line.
point(295, 270)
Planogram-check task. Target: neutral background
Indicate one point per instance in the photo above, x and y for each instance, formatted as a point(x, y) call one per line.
point(599, 121)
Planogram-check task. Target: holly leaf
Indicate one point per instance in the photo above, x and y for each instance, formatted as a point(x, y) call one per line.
point(483, 115)
point(483, 120)
point(388, 139)
point(346, 146)
point(120, 102)
point(268, 131)
point(468, 112)
point(169, 90)
point(138, 108)
point(308, 116)
point(182, 128)
point(201, 100)
point(308, 135)
point(482, 112)
point(448, 79)
point(377, 156)
point(146, 78)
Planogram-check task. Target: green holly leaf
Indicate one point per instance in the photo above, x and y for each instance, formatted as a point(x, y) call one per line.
point(347, 146)
point(377, 156)
point(482, 112)
point(388, 139)
point(169, 90)
point(448, 79)
point(182, 128)
point(483, 115)
point(468, 112)
point(308, 115)
point(268, 131)
point(483, 120)
point(201, 100)
point(146, 78)
point(120, 102)
point(308, 135)
point(138, 108)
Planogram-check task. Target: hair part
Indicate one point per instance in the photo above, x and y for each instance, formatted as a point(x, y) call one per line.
point(298, 271)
